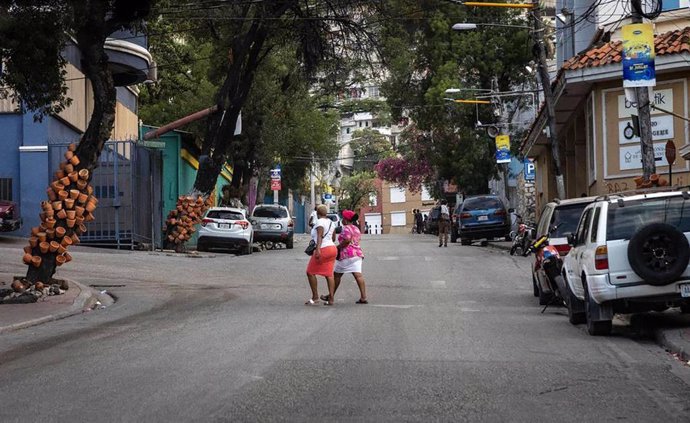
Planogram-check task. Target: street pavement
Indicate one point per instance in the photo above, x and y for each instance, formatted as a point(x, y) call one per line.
point(450, 334)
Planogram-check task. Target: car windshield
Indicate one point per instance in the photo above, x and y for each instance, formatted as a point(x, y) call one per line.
point(624, 221)
point(274, 212)
point(565, 218)
point(225, 215)
point(482, 203)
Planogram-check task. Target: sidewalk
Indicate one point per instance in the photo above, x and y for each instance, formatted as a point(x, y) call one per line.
point(18, 316)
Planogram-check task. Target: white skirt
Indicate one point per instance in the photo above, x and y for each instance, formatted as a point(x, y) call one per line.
point(348, 265)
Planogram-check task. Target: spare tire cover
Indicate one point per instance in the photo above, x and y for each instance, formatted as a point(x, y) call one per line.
point(659, 253)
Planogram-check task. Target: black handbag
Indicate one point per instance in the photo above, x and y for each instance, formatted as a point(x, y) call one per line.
point(312, 244)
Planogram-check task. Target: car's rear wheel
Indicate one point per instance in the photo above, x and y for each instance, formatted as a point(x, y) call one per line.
point(453, 235)
point(247, 249)
point(598, 327)
point(535, 288)
point(575, 305)
point(290, 244)
point(201, 248)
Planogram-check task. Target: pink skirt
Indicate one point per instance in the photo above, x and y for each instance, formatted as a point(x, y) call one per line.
point(323, 266)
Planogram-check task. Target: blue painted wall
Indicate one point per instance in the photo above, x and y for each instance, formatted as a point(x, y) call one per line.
point(11, 129)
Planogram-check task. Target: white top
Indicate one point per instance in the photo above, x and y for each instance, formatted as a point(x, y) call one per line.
point(313, 217)
point(444, 209)
point(325, 223)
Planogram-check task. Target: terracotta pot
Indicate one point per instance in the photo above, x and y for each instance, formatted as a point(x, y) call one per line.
point(82, 198)
point(42, 216)
point(647, 184)
point(68, 257)
point(42, 227)
point(27, 258)
point(84, 174)
point(68, 155)
point(62, 165)
point(81, 184)
point(61, 249)
point(74, 194)
point(90, 206)
point(72, 147)
point(50, 233)
point(39, 286)
point(45, 205)
point(75, 239)
point(82, 228)
point(79, 219)
point(49, 214)
point(57, 186)
point(54, 246)
point(71, 214)
point(64, 181)
point(61, 214)
point(33, 241)
point(74, 160)
point(73, 176)
point(60, 260)
point(89, 217)
point(89, 190)
point(28, 249)
point(35, 230)
point(18, 286)
point(36, 261)
point(41, 236)
point(70, 223)
point(60, 232)
point(44, 247)
point(80, 210)
point(51, 194)
point(57, 205)
point(69, 168)
point(66, 241)
point(663, 182)
point(50, 223)
point(60, 174)
point(69, 203)
point(654, 178)
point(62, 194)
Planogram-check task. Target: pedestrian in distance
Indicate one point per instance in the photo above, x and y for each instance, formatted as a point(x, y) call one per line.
point(350, 255)
point(414, 220)
point(313, 218)
point(443, 224)
point(323, 259)
point(419, 219)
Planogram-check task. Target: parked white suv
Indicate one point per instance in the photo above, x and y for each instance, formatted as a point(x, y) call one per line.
point(630, 254)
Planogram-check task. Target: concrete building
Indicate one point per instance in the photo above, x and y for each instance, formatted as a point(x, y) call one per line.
point(25, 163)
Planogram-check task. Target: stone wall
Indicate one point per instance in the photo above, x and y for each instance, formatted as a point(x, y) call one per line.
point(526, 196)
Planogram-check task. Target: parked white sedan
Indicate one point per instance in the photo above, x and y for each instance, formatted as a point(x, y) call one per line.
point(227, 228)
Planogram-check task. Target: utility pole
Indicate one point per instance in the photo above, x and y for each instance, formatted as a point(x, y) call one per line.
point(312, 182)
point(644, 113)
point(540, 56)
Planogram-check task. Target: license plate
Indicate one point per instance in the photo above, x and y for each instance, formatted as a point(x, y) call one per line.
point(685, 290)
point(482, 218)
point(223, 226)
point(265, 226)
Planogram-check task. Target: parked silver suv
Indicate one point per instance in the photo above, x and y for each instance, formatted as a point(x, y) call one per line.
point(630, 254)
point(272, 222)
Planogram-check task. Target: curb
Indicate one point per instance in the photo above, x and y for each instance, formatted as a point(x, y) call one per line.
point(498, 246)
point(672, 341)
point(87, 294)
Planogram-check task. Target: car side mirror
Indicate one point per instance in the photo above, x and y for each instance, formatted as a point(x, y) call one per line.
point(511, 210)
point(531, 234)
point(571, 240)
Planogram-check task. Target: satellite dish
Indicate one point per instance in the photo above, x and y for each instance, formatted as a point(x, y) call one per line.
point(492, 131)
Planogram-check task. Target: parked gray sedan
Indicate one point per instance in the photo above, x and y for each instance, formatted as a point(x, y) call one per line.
point(272, 222)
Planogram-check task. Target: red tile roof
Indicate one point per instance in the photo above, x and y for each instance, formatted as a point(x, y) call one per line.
point(672, 42)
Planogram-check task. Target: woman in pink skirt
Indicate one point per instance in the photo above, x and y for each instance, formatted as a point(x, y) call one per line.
point(323, 259)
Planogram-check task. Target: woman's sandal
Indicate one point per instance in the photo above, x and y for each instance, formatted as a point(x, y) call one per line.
point(361, 301)
point(311, 302)
point(325, 298)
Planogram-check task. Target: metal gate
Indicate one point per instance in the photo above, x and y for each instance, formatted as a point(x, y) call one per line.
point(127, 183)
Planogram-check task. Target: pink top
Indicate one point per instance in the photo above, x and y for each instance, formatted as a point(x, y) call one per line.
point(350, 233)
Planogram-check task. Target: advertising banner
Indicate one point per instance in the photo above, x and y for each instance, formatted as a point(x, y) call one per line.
point(638, 55)
point(630, 157)
point(502, 149)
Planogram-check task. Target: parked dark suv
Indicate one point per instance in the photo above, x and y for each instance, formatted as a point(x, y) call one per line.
point(9, 216)
point(482, 217)
point(432, 220)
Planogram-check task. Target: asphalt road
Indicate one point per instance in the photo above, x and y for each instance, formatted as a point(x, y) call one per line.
point(450, 334)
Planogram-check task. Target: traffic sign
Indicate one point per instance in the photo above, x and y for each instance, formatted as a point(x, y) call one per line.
point(276, 185)
point(530, 170)
point(670, 152)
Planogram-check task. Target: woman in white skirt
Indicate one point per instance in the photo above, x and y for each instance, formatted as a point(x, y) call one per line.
point(350, 258)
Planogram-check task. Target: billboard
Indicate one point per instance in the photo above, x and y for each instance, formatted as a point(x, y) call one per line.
point(638, 55)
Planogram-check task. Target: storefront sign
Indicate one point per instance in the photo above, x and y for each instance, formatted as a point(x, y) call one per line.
point(631, 159)
point(662, 98)
point(502, 149)
point(638, 55)
point(662, 129)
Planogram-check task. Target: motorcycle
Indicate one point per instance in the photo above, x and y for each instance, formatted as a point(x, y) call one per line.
point(548, 258)
point(521, 239)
